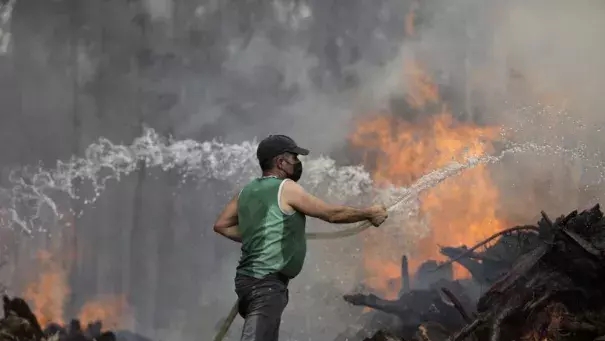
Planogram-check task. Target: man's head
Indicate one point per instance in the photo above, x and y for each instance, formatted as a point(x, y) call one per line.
point(278, 155)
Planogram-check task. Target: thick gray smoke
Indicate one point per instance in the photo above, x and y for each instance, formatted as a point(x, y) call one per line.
point(72, 71)
point(541, 72)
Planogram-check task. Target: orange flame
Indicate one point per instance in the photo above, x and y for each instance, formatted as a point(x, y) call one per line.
point(110, 310)
point(48, 293)
point(460, 210)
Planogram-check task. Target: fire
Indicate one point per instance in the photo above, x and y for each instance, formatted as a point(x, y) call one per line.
point(460, 210)
point(49, 292)
point(109, 310)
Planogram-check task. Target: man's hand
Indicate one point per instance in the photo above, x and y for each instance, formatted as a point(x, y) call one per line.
point(378, 215)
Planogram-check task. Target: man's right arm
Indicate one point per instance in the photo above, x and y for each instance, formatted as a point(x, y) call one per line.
point(297, 198)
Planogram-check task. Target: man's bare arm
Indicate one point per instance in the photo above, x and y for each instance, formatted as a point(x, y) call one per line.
point(226, 224)
point(298, 199)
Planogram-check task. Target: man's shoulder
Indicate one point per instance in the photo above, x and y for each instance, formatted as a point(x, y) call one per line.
point(292, 186)
point(292, 191)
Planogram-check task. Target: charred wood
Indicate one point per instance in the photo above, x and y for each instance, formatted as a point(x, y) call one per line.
point(550, 285)
point(554, 291)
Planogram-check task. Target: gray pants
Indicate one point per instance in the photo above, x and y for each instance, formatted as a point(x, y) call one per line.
point(261, 304)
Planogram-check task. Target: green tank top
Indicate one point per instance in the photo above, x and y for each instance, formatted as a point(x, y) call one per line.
point(272, 241)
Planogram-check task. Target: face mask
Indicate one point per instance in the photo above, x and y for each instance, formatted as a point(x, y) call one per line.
point(297, 171)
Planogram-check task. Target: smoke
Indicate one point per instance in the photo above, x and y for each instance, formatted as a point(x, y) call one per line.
point(535, 69)
point(554, 67)
point(74, 71)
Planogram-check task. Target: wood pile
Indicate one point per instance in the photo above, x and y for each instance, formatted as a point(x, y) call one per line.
point(553, 288)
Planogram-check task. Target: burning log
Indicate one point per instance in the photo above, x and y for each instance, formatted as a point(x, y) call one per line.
point(554, 291)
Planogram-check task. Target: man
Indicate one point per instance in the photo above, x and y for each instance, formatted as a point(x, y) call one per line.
point(268, 217)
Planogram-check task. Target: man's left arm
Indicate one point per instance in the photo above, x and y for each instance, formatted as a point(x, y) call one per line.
point(226, 224)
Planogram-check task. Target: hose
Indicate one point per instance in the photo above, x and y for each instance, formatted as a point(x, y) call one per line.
point(227, 323)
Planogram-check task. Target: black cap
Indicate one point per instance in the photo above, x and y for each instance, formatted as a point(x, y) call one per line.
point(275, 145)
